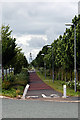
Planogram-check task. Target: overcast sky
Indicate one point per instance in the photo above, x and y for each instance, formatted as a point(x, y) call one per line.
point(36, 24)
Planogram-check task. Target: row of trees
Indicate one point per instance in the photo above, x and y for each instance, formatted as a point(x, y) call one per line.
point(63, 52)
point(12, 57)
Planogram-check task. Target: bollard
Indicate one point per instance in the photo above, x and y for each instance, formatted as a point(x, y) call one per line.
point(25, 91)
point(64, 91)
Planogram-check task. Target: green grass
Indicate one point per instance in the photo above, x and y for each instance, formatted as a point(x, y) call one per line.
point(58, 85)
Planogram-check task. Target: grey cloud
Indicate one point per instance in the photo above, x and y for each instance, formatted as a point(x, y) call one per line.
point(36, 42)
point(35, 18)
point(38, 18)
point(20, 44)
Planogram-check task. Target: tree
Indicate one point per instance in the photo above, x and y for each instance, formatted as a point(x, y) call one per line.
point(8, 45)
point(63, 51)
point(11, 54)
point(0, 52)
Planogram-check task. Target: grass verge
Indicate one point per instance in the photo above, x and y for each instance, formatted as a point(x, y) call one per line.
point(58, 85)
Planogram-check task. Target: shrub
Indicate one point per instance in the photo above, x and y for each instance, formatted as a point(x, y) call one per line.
point(41, 69)
point(47, 72)
point(17, 91)
point(20, 90)
point(22, 78)
point(24, 71)
point(11, 77)
point(11, 92)
point(78, 86)
point(5, 85)
point(8, 82)
point(71, 84)
point(14, 84)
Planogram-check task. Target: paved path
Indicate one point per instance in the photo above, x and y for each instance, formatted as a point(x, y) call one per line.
point(38, 87)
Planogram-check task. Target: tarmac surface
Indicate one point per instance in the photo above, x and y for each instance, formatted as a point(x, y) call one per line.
point(38, 87)
point(53, 107)
point(38, 109)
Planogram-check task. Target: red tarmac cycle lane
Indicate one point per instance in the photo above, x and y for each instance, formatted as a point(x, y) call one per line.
point(38, 87)
point(37, 84)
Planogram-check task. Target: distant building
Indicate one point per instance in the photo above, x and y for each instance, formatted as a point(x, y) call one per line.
point(30, 58)
point(79, 8)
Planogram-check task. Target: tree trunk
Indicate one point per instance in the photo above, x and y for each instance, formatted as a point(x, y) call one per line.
point(2, 74)
point(9, 70)
point(54, 75)
point(77, 74)
point(6, 73)
point(62, 76)
point(66, 76)
point(71, 76)
point(58, 75)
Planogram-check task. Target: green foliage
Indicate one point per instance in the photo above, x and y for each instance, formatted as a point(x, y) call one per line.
point(12, 57)
point(39, 62)
point(10, 77)
point(63, 51)
point(58, 85)
point(71, 84)
point(15, 84)
point(8, 45)
point(0, 52)
point(6, 85)
point(24, 71)
point(11, 54)
point(20, 61)
point(11, 92)
point(8, 82)
point(21, 79)
point(41, 69)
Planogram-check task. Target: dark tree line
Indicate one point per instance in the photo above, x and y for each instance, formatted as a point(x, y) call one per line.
point(11, 54)
point(63, 51)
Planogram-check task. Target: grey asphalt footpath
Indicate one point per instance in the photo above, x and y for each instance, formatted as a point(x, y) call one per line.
point(40, 92)
point(49, 92)
point(38, 109)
